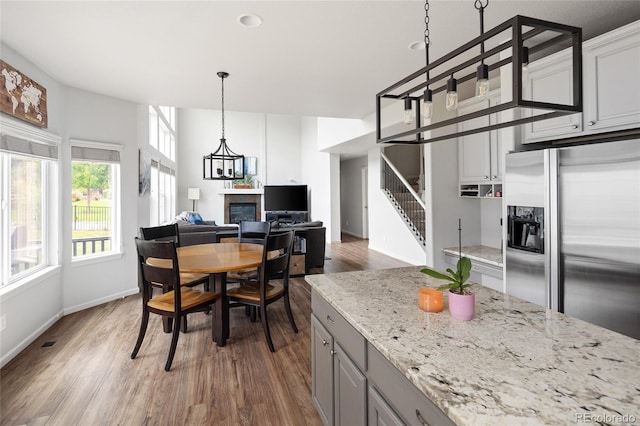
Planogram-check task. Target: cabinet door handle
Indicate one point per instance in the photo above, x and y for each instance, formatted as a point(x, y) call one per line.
point(420, 418)
point(486, 178)
point(330, 319)
point(575, 126)
point(324, 342)
point(333, 352)
point(591, 123)
point(494, 176)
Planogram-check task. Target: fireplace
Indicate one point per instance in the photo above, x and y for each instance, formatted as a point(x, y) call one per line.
point(242, 211)
point(239, 207)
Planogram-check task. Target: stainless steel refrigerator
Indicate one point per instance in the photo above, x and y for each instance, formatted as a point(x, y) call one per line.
point(573, 231)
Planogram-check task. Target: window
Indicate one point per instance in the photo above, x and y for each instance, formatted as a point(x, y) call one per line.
point(162, 137)
point(95, 189)
point(163, 190)
point(27, 168)
point(162, 130)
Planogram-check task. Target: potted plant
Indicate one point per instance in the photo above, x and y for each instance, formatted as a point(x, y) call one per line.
point(461, 300)
point(246, 183)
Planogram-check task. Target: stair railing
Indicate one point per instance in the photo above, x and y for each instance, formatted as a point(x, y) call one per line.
point(404, 198)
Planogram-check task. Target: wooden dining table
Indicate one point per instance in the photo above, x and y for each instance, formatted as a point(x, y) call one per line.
point(216, 260)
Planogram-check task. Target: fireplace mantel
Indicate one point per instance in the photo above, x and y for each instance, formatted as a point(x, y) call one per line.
point(240, 191)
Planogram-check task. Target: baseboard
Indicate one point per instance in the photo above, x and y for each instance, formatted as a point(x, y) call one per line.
point(96, 302)
point(395, 256)
point(353, 234)
point(29, 339)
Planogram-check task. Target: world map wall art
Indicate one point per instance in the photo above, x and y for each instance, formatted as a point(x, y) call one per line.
point(22, 97)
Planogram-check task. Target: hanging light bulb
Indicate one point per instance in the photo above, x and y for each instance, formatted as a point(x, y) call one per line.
point(482, 81)
point(408, 111)
point(525, 63)
point(451, 100)
point(427, 105)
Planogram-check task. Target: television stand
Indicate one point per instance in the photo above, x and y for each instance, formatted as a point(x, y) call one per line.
point(287, 217)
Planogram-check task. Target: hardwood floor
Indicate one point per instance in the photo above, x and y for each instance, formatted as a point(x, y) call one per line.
point(79, 372)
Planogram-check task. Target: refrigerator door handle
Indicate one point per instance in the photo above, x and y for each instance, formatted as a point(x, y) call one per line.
point(552, 237)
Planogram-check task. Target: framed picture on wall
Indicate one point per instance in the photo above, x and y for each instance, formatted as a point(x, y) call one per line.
point(251, 166)
point(144, 181)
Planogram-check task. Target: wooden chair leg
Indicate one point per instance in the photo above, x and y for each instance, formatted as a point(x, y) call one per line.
point(183, 325)
point(287, 307)
point(174, 344)
point(265, 326)
point(143, 330)
point(252, 313)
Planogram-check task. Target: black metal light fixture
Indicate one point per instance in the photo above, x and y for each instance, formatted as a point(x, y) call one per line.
point(427, 97)
point(505, 49)
point(223, 164)
point(482, 72)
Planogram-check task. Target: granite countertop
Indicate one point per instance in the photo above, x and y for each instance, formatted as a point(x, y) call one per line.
point(513, 363)
point(490, 255)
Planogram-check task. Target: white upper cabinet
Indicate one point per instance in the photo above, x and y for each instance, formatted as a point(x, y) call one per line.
point(612, 80)
point(480, 154)
point(550, 80)
point(611, 87)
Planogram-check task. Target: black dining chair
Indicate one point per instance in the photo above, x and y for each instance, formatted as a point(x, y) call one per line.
point(254, 233)
point(272, 284)
point(175, 303)
point(171, 233)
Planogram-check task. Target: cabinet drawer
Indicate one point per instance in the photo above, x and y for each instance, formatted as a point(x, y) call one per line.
point(401, 394)
point(351, 341)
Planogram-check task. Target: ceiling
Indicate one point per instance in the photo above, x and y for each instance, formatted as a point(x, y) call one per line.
point(317, 58)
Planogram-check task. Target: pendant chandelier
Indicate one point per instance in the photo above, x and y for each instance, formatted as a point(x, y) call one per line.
point(223, 164)
point(503, 52)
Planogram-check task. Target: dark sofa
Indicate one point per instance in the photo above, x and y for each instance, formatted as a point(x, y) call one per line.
point(313, 233)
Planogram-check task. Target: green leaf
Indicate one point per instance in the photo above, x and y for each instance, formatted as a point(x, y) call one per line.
point(436, 274)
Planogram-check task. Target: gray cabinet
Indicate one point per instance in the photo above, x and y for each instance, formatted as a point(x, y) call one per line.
point(354, 384)
point(322, 370)
point(339, 388)
point(380, 413)
point(350, 390)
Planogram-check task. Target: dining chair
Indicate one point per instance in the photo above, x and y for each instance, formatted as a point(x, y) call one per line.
point(249, 232)
point(194, 238)
point(177, 302)
point(263, 292)
point(171, 233)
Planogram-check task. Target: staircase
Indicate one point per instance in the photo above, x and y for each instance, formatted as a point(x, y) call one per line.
point(404, 198)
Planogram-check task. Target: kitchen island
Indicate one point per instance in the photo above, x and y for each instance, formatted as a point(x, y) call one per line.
point(513, 363)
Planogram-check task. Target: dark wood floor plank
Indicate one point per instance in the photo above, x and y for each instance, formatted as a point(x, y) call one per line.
point(87, 376)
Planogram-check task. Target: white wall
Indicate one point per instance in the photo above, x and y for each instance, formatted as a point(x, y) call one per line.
point(283, 150)
point(317, 174)
point(351, 195)
point(446, 207)
point(98, 118)
point(33, 307)
point(388, 233)
point(275, 140)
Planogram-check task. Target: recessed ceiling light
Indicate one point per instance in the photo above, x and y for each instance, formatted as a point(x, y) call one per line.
point(417, 45)
point(250, 20)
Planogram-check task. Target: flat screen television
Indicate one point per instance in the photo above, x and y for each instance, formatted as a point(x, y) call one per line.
point(285, 198)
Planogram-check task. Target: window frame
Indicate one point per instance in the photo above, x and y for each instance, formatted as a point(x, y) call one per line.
point(49, 207)
point(116, 214)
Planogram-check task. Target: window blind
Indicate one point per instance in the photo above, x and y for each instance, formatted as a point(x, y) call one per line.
point(13, 144)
